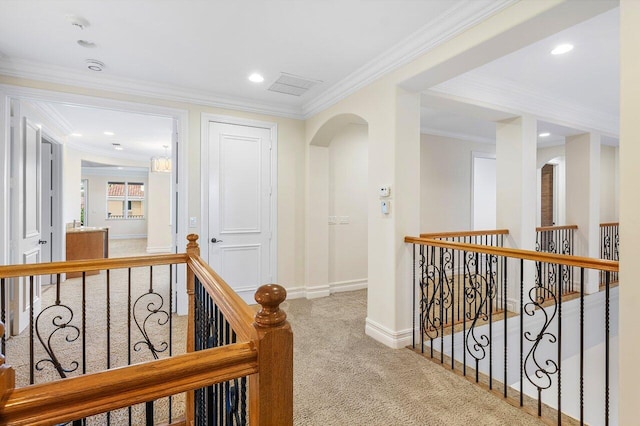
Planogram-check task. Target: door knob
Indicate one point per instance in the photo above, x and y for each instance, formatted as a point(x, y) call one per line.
point(214, 240)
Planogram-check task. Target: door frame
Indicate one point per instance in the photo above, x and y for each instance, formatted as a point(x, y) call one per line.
point(179, 157)
point(204, 182)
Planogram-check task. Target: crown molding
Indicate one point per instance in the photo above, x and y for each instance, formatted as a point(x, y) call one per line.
point(480, 88)
point(454, 21)
point(20, 68)
point(127, 157)
point(50, 113)
point(456, 135)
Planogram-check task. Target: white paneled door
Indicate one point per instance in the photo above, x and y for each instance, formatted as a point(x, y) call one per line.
point(240, 205)
point(26, 218)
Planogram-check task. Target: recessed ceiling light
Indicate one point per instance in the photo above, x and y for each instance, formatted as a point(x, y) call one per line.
point(117, 147)
point(87, 44)
point(78, 21)
point(256, 78)
point(544, 134)
point(76, 135)
point(562, 48)
point(109, 133)
point(94, 65)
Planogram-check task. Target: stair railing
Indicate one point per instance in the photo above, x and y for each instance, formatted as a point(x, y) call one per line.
point(559, 240)
point(609, 244)
point(260, 352)
point(543, 353)
point(451, 309)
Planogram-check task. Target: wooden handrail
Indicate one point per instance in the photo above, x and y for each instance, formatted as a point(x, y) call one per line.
point(465, 233)
point(561, 259)
point(78, 397)
point(555, 228)
point(602, 225)
point(9, 271)
point(235, 310)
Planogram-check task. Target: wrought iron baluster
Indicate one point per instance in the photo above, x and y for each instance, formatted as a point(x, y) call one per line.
point(607, 348)
point(129, 328)
point(581, 346)
point(504, 306)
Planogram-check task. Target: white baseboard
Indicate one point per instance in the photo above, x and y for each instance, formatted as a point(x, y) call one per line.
point(393, 339)
point(351, 285)
point(327, 289)
point(317, 291)
point(166, 249)
point(296, 293)
point(126, 236)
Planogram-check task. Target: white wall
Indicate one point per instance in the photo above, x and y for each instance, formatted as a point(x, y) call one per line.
point(159, 213)
point(445, 176)
point(608, 184)
point(348, 169)
point(484, 192)
point(97, 205)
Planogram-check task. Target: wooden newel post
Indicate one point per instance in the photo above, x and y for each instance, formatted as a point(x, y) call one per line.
point(271, 390)
point(193, 249)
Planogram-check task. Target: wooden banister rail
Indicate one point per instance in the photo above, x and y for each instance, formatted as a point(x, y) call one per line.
point(605, 224)
point(74, 398)
point(555, 228)
point(10, 271)
point(234, 309)
point(271, 390)
point(561, 259)
point(451, 234)
point(264, 354)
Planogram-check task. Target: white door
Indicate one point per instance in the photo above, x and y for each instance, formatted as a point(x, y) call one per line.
point(46, 254)
point(26, 166)
point(240, 205)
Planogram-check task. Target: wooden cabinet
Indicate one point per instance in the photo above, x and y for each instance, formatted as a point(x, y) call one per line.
point(87, 243)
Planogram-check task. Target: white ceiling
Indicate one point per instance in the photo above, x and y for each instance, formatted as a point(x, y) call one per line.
point(580, 87)
point(204, 50)
point(210, 47)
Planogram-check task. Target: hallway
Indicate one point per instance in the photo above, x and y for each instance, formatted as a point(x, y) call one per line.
point(343, 377)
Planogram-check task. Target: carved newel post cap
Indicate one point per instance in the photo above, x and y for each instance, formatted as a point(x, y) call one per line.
point(193, 243)
point(269, 297)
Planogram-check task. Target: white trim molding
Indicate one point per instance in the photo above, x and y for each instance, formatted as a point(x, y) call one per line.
point(316, 292)
point(453, 21)
point(480, 88)
point(393, 339)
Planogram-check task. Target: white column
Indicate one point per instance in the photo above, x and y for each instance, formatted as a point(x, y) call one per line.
point(583, 198)
point(318, 225)
point(394, 160)
point(516, 177)
point(629, 332)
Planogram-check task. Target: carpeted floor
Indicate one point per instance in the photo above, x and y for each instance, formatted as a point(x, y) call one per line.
point(341, 376)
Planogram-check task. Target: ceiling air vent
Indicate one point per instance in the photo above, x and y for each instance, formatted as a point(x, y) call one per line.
point(292, 84)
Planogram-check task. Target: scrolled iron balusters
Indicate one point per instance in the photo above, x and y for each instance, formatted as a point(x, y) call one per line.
point(435, 291)
point(540, 372)
point(145, 316)
point(480, 288)
point(60, 317)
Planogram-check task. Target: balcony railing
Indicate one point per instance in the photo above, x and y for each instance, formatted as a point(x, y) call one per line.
point(544, 355)
point(609, 244)
point(70, 377)
point(559, 240)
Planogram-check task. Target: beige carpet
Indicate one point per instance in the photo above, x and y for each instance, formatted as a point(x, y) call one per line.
point(341, 376)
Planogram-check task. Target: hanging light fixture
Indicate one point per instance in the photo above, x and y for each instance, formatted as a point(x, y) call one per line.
point(161, 164)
